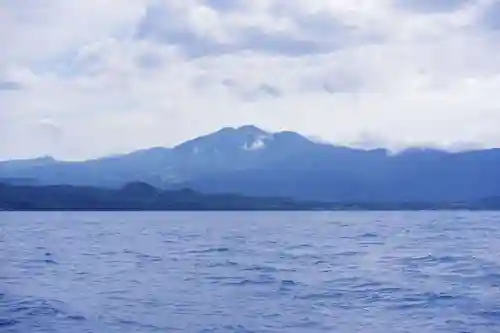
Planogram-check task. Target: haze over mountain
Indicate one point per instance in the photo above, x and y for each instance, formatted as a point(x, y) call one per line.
point(248, 160)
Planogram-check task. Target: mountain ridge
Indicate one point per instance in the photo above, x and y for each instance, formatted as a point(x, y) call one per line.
point(139, 196)
point(251, 161)
point(135, 196)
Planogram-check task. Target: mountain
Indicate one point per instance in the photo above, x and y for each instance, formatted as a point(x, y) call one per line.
point(134, 197)
point(229, 149)
point(340, 175)
point(139, 196)
point(237, 149)
point(26, 164)
point(254, 162)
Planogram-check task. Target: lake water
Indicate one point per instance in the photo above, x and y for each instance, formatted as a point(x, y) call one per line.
point(250, 272)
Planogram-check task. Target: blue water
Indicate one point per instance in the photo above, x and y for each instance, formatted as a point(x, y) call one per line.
point(250, 272)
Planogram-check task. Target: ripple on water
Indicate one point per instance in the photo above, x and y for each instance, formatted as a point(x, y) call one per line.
point(429, 259)
point(25, 311)
point(251, 272)
point(368, 235)
point(268, 269)
point(47, 258)
point(257, 281)
point(349, 253)
point(227, 328)
point(129, 325)
point(49, 261)
point(209, 250)
point(327, 295)
point(428, 300)
point(225, 263)
point(8, 322)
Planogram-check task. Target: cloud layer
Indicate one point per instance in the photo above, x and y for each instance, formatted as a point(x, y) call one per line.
point(86, 78)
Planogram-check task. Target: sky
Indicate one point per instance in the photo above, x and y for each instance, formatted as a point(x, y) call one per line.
point(86, 78)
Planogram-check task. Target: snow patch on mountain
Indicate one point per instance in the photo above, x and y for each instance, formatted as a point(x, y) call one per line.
point(255, 145)
point(258, 143)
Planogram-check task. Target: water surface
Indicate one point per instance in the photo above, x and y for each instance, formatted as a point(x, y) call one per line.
point(250, 272)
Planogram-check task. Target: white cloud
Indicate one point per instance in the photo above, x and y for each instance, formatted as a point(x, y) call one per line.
point(97, 77)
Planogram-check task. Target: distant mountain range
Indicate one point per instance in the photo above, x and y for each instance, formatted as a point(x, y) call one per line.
point(253, 162)
point(135, 197)
point(139, 196)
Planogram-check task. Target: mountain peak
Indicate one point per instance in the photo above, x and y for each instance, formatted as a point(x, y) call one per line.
point(242, 130)
point(252, 130)
point(227, 137)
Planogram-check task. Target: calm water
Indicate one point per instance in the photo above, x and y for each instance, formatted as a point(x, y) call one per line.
point(250, 272)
